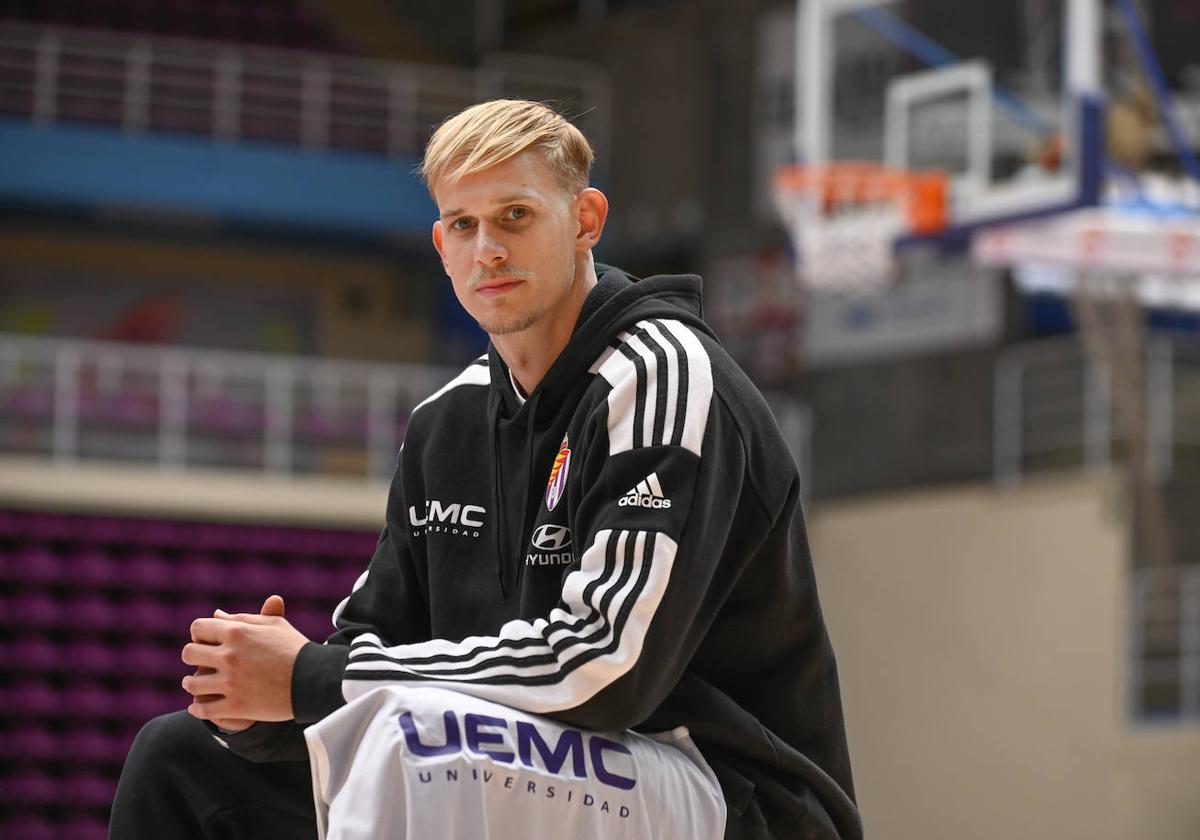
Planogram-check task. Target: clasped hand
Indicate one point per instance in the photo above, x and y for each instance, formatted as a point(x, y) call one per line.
point(244, 666)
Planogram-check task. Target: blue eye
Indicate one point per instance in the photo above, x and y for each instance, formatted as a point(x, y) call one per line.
point(518, 212)
point(460, 224)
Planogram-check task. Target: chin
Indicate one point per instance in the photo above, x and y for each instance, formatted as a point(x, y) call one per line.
point(506, 325)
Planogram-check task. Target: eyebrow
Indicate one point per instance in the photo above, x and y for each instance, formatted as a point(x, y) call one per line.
point(527, 198)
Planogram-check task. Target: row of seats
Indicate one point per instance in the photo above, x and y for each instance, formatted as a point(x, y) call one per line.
point(140, 412)
point(281, 23)
point(195, 572)
point(134, 617)
point(94, 612)
point(58, 533)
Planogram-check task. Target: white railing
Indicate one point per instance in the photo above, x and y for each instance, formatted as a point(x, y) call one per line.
point(1053, 407)
point(186, 408)
point(182, 408)
point(232, 92)
point(1164, 681)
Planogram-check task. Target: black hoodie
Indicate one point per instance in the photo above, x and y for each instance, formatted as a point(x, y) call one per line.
point(623, 550)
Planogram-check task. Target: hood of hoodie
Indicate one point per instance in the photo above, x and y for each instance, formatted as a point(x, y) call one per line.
point(618, 301)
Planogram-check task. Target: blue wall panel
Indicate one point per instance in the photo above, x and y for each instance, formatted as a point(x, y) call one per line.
point(337, 192)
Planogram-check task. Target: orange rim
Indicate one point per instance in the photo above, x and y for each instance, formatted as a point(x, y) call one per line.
point(841, 184)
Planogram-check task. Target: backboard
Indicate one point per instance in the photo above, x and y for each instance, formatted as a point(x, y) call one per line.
point(1001, 96)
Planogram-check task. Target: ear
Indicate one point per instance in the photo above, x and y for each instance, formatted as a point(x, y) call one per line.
point(591, 213)
point(439, 244)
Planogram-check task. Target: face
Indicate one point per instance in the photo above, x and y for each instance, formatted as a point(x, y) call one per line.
point(510, 237)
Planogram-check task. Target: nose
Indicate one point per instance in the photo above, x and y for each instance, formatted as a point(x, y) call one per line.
point(489, 249)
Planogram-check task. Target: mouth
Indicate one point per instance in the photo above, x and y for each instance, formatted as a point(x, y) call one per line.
point(498, 286)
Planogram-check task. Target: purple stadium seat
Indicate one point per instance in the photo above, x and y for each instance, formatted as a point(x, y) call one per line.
point(50, 526)
point(91, 611)
point(304, 541)
point(227, 418)
point(31, 743)
point(33, 698)
point(140, 616)
point(10, 523)
point(91, 566)
point(140, 703)
point(255, 577)
point(267, 540)
point(102, 530)
point(156, 532)
point(133, 410)
point(92, 744)
point(92, 701)
point(189, 609)
point(36, 609)
point(148, 571)
point(89, 788)
point(29, 403)
point(34, 654)
point(37, 564)
point(30, 786)
point(153, 661)
point(215, 536)
point(29, 826)
point(199, 573)
point(84, 826)
point(307, 579)
point(93, 657)
point(314, 622)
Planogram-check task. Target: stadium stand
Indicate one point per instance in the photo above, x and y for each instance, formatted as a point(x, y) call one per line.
point(94, 615)
point(277, 23)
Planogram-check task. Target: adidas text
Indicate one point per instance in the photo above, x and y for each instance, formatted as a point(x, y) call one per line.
point(644, 500)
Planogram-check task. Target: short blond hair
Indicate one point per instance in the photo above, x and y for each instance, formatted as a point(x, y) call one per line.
point(492, 132)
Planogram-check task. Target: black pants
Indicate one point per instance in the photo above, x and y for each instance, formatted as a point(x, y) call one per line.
point(178, 783)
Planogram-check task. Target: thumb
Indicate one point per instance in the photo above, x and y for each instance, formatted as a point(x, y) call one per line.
point(273, 606)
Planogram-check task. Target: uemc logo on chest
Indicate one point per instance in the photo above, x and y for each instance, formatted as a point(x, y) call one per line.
point(446, 518)
point(485, 735)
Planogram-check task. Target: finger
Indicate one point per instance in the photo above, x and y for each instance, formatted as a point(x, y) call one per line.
point(200, 685)
point(212, 707)
point(209, 631)
point(202, 656)
point(248, 618)
point(207, 709)
point(273, 606)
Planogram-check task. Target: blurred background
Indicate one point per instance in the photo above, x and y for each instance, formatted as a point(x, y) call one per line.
point(218, 304)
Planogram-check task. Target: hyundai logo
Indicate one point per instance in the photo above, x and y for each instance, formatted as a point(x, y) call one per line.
point(552, 537)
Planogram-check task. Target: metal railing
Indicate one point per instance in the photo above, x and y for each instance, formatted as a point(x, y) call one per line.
point(1164, 681)
point(185, 408)
point(181, 408)
point(1053, 407)
point(146, 83)
point(1054, 410)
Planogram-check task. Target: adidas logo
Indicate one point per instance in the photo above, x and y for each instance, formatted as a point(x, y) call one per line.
point(647, 494)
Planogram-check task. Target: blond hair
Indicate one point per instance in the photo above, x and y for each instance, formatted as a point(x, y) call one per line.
point(492, 132)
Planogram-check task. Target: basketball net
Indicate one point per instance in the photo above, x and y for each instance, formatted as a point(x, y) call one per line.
point(844, 219)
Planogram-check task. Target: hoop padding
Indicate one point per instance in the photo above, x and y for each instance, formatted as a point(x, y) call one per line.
point(844, 218)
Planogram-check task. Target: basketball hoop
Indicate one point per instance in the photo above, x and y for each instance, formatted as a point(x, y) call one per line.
point(844, 217)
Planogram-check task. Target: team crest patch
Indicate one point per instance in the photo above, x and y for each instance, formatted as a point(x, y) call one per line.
point(557, 485)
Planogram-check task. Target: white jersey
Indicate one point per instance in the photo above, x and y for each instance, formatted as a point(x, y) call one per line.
point(427, 762)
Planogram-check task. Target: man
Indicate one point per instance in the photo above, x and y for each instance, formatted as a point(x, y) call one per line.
point(598, 523)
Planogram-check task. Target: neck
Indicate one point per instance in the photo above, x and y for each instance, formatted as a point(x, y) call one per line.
point(530, 352)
